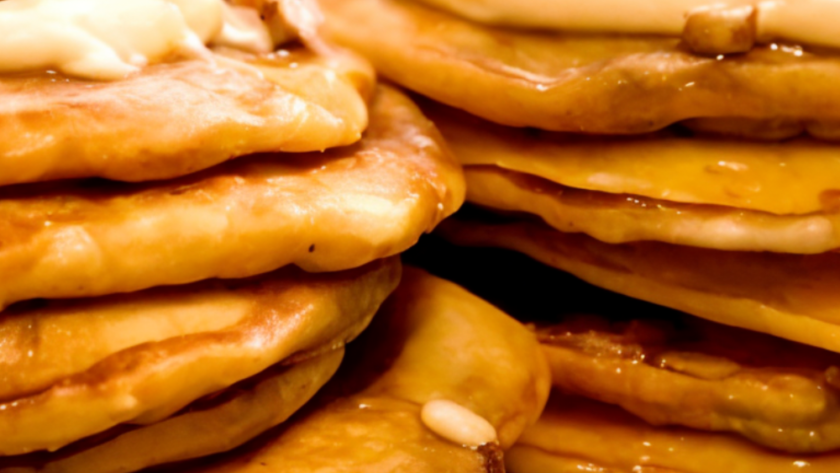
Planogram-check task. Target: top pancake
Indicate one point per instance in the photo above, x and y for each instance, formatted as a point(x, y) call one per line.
point(323, 212)
point(583, 83)
point(178, 117)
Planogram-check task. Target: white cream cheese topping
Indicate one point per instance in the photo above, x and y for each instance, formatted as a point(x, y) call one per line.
point(109, 39)
point(797, 21)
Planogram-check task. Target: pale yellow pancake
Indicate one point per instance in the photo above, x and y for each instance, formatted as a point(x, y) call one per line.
point(790, 296)
point(432, 340)
point(180, 117)
point(702, 375)
point(323, 212)
point(225, 420)
point(575, 435)
point(581, 83)
point(73, 369)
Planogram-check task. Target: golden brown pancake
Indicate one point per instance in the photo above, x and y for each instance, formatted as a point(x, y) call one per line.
point(581, 83)
point(180, 117)
point(576, 434)
point(75, 368)
point(698, 191)
point(702, 375)
point(432, 340)
point(790, 296)
point(796, 177)
point(222, 421)
point(622, 218)
point(322, 212)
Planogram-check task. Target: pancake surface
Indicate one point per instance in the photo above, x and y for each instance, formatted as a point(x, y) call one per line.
point(577, 434)
point(180, 117)
point(322, 212)
point(622, 218)
point(698, 191)
point(702, 375)
point(594, 84)
point(76, 368)
point(223, 421)
point(796, 177)
point(432, 340)
point(789, 296)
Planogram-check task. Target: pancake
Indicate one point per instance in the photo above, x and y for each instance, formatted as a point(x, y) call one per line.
point(796, 177)
point(790, 296)
point(322, 212)
point(182, 115)
point(431, 341)
point(73, 369)
point(575, 434)
point(702, 375)
point(232, 417)
point(582, 83)
point(622, 218)
point(698, 191)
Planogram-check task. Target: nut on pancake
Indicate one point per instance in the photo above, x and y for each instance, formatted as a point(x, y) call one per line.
point(431, 340)
point(233, 416)
point(76, 368)
point(790, 296)
point(180, 117)
point(324, 212)
point(581, 83)
point(576, 434)
point(702, 375)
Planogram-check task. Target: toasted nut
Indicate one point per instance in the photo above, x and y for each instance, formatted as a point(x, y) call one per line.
point(720, 30)
point(456, 423)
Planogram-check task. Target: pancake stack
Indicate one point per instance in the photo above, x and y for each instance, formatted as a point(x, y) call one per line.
point(676, 152)
point(202, 203)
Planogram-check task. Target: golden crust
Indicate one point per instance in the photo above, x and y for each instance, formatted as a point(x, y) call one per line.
point(576, 434)
point(176, 118)
point(595, 84)
point(323, 212)
point(790, 296)
point(245, 410)
point(702, 375)
point(288, 315)
point(432, 340)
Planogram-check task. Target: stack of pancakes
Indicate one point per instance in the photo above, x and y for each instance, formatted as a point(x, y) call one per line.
point(186, 248)
point(676, 152)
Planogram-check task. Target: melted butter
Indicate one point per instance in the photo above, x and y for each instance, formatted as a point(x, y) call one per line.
point(107, 40)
